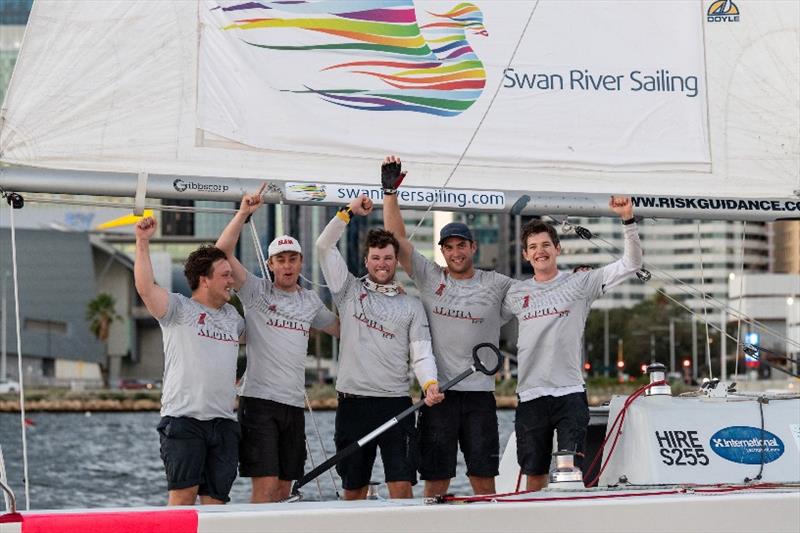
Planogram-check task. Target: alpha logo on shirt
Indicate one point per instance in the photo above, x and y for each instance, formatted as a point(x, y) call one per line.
point(287, 324)
point(440, 290)
point(373, 324)
point(201, 319)
point(211, 332)
point(545, 312)
point(456, 313)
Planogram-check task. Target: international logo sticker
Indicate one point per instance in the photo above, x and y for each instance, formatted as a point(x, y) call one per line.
point(746, 445)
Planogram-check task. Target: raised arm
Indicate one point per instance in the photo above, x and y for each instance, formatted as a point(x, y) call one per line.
point(230, 235)
point(631, 259)
point(391, 178)
point(155, 298)
point(332, 264)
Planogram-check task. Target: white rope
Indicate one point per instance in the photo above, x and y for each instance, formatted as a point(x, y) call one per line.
point(705, 309)
point(480, 122)
point(262, 265)
point(19, 365)
point(29, 198)
point(741, 298)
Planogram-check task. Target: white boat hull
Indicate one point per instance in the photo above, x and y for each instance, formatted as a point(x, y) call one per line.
point(776, 510)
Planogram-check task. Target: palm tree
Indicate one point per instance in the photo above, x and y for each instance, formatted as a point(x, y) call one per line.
point(101, 314)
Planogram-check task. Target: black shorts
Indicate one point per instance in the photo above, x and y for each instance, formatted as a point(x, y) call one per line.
point(273, 439)
point(464, 418)
point(535, 421)
point(200, 452)
point(356, 417)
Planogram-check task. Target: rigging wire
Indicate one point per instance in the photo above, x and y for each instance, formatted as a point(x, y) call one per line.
point(705, 309)
point(19, 361)
point(480, 122)
point(613, 251)
point(690, 290)
point(741, 299)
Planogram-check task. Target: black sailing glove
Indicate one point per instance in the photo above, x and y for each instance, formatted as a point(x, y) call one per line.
point(391, 177)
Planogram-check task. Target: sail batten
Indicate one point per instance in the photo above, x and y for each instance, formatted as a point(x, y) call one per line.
point(621, 103)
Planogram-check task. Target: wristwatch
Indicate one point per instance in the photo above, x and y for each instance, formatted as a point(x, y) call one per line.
point(629, 221)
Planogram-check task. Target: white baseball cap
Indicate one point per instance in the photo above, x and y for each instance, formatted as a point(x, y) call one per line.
point(284, 243)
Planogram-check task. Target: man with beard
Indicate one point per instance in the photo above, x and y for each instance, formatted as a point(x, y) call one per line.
point(552, 308)
point(464, 308)
point(379, 326)
point(279, 317)
point(198, 430)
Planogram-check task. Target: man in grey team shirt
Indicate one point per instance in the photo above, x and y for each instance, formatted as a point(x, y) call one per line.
point(380, 326)
point(198, 430)
point(464, 308)
point(280, 315)
point(552, 308)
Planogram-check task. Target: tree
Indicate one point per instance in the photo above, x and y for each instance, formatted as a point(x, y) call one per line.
point(101, 314)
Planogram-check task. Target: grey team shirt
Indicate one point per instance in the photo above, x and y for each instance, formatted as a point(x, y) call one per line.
point(462, 313)
point(201, 346)
point(277, 325)
point(377, 331)
point(552, 316)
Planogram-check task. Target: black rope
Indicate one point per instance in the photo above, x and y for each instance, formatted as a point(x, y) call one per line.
point(753, 351)
point(761, 401)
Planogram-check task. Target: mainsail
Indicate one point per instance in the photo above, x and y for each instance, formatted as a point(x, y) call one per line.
point(510, 96)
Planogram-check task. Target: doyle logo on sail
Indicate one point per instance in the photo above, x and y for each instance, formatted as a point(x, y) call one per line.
point(722, 11)
point(746, 445)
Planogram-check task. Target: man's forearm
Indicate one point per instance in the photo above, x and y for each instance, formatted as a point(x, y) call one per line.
point(392, 219)
point(333, 266)
point(230, 235)
point(142, 268)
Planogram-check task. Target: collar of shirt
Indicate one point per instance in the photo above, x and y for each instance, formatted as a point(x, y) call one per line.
point(389, 289)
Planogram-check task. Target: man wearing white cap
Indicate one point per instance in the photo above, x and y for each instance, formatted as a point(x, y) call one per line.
point(279, 315)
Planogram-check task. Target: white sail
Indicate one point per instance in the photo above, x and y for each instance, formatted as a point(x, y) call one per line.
point(600, 96)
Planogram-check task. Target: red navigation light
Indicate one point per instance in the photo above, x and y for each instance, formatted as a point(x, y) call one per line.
point(587, 366)
point(620, 364)
point(644, 369)
point(687, 363)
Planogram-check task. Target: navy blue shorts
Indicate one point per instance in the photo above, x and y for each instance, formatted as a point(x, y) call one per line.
point(273, 439)
point(467, 419)
point(203, 453)
point(537, 419)
point(355, 418)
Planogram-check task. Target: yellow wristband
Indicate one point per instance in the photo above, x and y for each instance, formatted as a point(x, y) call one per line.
point(428, 384)
point(344, 214)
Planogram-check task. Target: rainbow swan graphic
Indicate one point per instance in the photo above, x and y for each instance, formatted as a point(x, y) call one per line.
point(429, 68)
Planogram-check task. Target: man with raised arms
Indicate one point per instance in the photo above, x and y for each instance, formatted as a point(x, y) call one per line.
point(464, 308)
point(380, 325)
point(280, 315)
point(552, 308)
point(198, 429)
